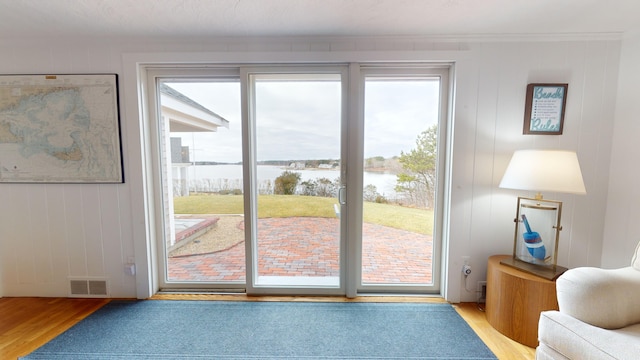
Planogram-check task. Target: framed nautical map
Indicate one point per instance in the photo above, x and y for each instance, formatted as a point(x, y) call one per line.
point(60, 129)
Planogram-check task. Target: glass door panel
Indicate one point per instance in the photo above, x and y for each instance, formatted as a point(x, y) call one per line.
point(401, 118)
point(297, 129)
point(202, 181)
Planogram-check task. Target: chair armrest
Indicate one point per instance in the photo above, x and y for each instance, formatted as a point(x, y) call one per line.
point(604, 298)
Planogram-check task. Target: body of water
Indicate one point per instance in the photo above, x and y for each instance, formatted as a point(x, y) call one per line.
point(384, 183)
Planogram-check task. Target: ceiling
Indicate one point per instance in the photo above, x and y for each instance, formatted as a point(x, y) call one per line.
point(225, 18)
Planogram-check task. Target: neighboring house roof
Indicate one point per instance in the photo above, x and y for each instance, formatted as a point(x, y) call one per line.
point(186, 115)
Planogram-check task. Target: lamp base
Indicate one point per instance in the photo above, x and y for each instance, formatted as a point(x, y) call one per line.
point(546, 272)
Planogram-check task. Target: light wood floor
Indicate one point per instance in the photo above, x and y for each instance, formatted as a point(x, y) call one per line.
point(28, 323)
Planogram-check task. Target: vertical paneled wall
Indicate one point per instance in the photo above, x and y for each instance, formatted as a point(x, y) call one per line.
point(623, 209)
point(489, 123)
point(51, 232)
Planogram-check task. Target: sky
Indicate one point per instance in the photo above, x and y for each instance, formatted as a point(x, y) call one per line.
point(300, 120)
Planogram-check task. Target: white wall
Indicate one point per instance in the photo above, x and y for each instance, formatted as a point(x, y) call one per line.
point(622, 230)
point(489, 129)
point(50, 232)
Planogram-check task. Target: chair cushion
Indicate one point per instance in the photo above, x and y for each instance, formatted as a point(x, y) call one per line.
point(563, 337)
point(606, 298)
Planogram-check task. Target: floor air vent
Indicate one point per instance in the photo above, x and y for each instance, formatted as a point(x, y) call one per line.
point(88, 288)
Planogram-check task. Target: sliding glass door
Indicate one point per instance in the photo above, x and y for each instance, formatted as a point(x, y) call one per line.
point(299, 179)
point(201, 173)
point(294, 137)
point(402, 184)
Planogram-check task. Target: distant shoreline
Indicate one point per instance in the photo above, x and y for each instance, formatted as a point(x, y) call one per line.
point(286, 165)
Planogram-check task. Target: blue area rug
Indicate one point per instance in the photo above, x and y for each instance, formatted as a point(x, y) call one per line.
point(164, 329)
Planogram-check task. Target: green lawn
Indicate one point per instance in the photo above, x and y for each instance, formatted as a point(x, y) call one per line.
point(415, 220)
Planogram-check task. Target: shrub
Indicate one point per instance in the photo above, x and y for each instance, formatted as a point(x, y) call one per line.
point(286, 183)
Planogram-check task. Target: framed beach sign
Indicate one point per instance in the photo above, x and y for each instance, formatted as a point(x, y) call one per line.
point(544, 109)
point(60, 129)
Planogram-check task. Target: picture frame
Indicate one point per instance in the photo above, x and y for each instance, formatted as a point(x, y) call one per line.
point(60, 129)
point(537, 231)
point(536, 238)
point(544, 109)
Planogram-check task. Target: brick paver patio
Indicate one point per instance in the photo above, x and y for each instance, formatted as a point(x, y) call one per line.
point(303, 246)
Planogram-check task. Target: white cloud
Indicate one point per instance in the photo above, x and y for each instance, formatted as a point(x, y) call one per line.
point(297, 120)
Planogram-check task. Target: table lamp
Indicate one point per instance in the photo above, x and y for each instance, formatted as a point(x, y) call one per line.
point(538, 220)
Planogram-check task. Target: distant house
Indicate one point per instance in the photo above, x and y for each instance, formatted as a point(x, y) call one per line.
point(297, 165)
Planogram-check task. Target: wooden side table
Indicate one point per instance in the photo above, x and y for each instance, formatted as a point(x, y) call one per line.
point(515, 299)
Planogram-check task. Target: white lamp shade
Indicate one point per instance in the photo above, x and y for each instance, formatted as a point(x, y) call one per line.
point(544, 170)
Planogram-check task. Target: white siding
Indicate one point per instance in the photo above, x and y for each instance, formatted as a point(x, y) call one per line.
point(50, 232)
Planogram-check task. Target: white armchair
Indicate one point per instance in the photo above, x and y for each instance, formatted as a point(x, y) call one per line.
point(599, 315)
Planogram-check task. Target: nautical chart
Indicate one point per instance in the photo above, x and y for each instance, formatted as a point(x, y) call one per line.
point(60, 128)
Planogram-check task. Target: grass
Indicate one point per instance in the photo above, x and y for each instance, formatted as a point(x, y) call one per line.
point(395, 216)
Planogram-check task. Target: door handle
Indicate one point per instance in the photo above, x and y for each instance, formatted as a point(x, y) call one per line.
point(341, 195)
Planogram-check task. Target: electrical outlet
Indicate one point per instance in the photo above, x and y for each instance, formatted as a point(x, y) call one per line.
point(482, 291)
point(130, 269)
point(466, 270)
point(466, 267)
